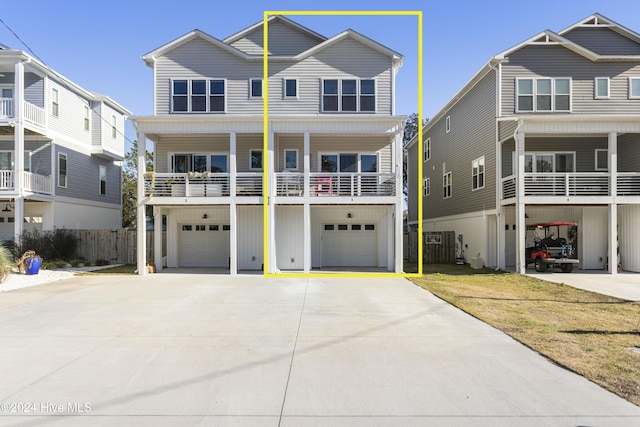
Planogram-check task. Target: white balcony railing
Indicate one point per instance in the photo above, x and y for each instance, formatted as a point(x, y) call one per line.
point(6, 107)
point(34, 114)
point(337, 184)
point(201, 184)
point(32, 182)
point(572, 184)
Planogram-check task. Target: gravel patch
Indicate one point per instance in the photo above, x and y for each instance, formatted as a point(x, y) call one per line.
point(17, 280)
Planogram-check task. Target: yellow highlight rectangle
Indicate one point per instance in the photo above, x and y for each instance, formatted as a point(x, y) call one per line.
point(266, 133)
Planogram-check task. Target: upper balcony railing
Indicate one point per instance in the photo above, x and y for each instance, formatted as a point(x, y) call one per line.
point(32, 113)
point(197, 184)
point(33, 182)
point(365, 184)
point(572, 184)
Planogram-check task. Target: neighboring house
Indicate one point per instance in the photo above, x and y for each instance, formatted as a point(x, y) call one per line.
point(335, 165)
point(548, 130)
point(61, 149)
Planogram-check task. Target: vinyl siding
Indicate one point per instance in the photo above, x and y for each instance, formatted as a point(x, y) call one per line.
point(603, 41)
point(629, 153)
point(187, 144)
point(34, 89)
point(244, 144)
point(106, 137)
point(283, 40)
point(70, 120)
point(84, 217)
point(83, 177)
point(506, 129)
point(472, 135)
point(40, 161)
point(96, 125)
point(557, 61)
point(347, 59)
point(412, 182)
point(584, 147)
point(199, 59)
point(348, 144)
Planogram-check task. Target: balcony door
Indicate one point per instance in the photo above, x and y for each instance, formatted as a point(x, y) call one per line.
point(351, 163)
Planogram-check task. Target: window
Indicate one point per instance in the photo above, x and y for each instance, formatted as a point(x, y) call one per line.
point(290, 88)
point(426, 187)
point(255, 160)
point(187, 228)
point(62, 170)
point(114, 129)
point(198, 96)
point(477, 173)
point(328, 227)
point(103, 180)
point(343, 227)
point(601, 86)
point(255, 86)
point(544, 94)
point(369, 227)
point(446, 185)
point(291, 159)
point(86, 118)
point(426, 149)
point(367, 95)
point(634, 87)
point(356, 227)
point(200, 162)
point(55, 102)
point(602, 160)
point(348, 95)
point(6, 160)
point(549, 162)
point(447, 124)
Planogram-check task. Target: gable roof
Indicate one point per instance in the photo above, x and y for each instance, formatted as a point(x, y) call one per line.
point(598, 20)
point(258, 26)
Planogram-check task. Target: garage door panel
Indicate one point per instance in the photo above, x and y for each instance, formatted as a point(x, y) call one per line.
point(349, 245)
point(204, 245)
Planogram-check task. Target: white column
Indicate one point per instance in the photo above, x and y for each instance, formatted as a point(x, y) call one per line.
point(307, 164)
point(157, 237)
point(233, 239)
point(141, 225)
point(397, 150)
point(18, 170)
point(271, 268)
point(613, 207)
point(501, 242)
point(233, 167)
point(307, 237)
point(520, 206)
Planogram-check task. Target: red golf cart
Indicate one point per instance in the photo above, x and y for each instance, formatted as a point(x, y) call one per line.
point(549, 248)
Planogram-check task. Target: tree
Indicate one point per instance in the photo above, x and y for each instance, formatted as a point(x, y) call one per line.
point(130, 185)
point(410, 130)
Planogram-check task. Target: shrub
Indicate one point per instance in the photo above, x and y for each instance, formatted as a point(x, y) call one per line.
point(77, 262)
point(57, 244)
point(57, 263)
point(6, 263)
point(101, 262)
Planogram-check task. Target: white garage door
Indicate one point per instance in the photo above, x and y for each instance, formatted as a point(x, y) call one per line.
point(349, 245)
point(203, 245)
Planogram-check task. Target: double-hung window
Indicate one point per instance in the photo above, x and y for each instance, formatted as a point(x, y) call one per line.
point(86, 118)
point(446, 185)
point(199, 95)
point(348, 95)
point(477, 173)
point(114, 126)
point(103, 180)
point(543, 95)
point(634, 87)
point(426, 149)
point(426, 187)
point(55, 102)
point(601, 88)
point(62, 170)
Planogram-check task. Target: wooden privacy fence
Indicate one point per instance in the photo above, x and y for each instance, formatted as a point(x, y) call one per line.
point(439, 247)
point(116, 246)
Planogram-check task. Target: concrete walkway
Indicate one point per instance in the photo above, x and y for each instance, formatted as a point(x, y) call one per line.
point(622, 285)
point(196, 350)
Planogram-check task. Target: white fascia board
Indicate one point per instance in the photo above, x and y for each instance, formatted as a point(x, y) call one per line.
point(111, 103)
point(603, 21)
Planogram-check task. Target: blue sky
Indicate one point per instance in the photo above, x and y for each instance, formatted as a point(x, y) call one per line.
point(99, 45)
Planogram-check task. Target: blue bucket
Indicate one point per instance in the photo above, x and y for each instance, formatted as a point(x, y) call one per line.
point(32, 265)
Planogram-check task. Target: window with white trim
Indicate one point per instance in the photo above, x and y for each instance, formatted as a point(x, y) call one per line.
point(348, 95)
point(547, 162)
point(543, 94)
point(86, 117)
point(602, 160)
point(447, 124)
point(477, 173)
point(634, 87)
point(6, 160)
point(446, 185)
point(290, 88)
point(255, 159)
point(62, 170)
point(426, 187)
point(114, 126)
point(55, 102)
point(199, 162)
point(103, 180)
point(291, 159)
point(426, 149)
point(198, 96)
point(601, 88)
point(255, 88)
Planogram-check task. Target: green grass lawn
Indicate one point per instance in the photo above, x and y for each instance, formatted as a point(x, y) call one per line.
point(591, 334)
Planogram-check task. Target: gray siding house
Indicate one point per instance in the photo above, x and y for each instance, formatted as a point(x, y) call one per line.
point(61, 149)
point(548, 130)
point(333, 157)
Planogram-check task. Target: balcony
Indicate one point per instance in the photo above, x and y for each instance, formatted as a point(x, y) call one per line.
point(32, 182)
point(32, 113)
point(572, 184)
point(326, 184)
point(196, 184)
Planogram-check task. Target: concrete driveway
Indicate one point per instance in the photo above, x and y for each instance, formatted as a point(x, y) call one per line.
point(623, 285)
point(195, 350)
